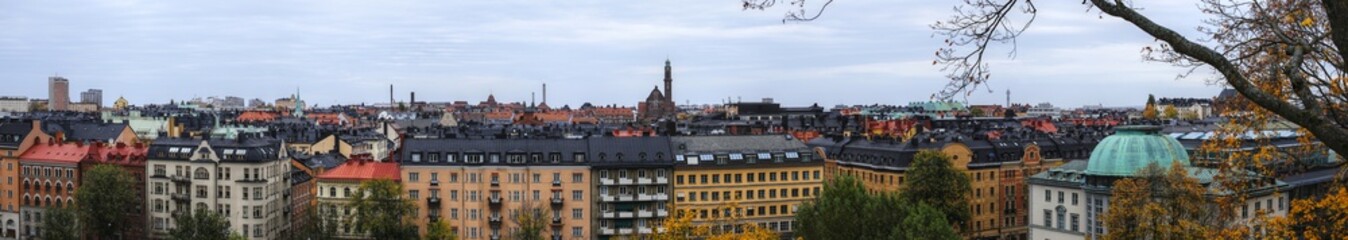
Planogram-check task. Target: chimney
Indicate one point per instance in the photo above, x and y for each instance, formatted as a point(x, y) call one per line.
point(545, 93)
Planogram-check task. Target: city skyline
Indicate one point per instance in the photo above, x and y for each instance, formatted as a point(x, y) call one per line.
point(465, 51)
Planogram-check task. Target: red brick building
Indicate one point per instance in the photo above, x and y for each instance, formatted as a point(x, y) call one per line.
point(130, 158)
point(50, 173)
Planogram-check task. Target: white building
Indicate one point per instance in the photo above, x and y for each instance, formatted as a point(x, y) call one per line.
point(14, 104)
point(244, 179)
point(1067, 202)
point(1044, 109)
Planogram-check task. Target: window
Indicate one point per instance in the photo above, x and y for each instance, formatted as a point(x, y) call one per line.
point(1075, 219)
point(1062, 219)
point(1060, 198)
point(1074, 199)
point(1048, 195)
point(577, 178)
point(1048, 218)
point(576, 213)
point(416, 157)
point(413, 176)
point(577, 195)
point(575, 232)
point(414, 194)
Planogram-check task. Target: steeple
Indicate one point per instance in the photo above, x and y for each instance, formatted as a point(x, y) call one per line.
point(299, 105)
point(669, 82)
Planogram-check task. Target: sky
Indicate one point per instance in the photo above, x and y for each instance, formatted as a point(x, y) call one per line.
point(603, 52)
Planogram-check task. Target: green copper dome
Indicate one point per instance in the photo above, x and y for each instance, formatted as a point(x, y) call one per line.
point(1132, 148)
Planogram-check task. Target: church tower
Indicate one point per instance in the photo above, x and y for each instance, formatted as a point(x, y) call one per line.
point(669, 84)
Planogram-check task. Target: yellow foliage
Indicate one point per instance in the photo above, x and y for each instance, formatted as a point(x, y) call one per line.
point(681, 227)
point(1326, 218)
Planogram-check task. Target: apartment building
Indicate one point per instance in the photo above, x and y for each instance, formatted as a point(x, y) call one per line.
point(631, 184)
point(759, 179)
point(477, 184)
point(243, 178)
point(337, 186)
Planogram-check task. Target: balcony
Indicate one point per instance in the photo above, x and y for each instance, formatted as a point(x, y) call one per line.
point(645, 213)
point(180, 197)
point(624, 181)
point(495, 236)
point(556, 221)
point(606, 198)
point(661, 180)
point(605, 181)
point(606, 231)
point(557, 183)
point(624, 231)
point(625, 214)
point(433, 201)
point(661, 213)
point(495, 221)
point(644, 181)
point(179, 178)
point(607, 214)
point(435, 183)
point(660, 197)
point(495, 183)
point(556, 202)
point(644, 197)
point(645, 230)
point(557, 237)
point(494, 201)
point(433, 218)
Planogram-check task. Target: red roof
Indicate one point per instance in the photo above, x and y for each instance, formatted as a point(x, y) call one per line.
point(122, 154)
point(57, 152)
point(359, 170)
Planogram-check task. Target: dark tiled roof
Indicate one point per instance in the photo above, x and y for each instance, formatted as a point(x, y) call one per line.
point(637, 151)
point(715, 144)
point(86, 131)
point(254, 149)
point(13, 133)
point(298, 177)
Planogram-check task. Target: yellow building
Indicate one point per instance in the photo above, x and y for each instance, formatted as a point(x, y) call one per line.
point(476, 184)
point(758, 179)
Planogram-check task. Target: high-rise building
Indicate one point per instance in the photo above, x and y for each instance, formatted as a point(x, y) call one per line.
point(92, 96)
point(58, 93)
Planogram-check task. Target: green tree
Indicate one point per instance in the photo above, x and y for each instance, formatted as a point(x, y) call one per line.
point(201, 224)
point(56, 224)
point(977, 112)
point(531, 220)
point(931, 180)
point(925, 222)
point(840, 212)
point(380, 210)
point(439, 230)
point(106, 193)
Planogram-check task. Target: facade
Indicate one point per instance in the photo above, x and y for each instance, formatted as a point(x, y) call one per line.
point(16, 137)
point(632, 185)
point(92, 96)
point(336, 186)
point(58, 93)
point(245, 179)
point(1067, 202)
point(476, 184)
point(14, 104)
point(50, 174)
point(759, 179)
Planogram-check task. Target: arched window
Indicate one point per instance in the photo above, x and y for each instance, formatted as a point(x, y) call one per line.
point(201, 173)
point(70, 187)
point(201, 206)
point(1062, 221)
point(332, 192)
point(58, 188)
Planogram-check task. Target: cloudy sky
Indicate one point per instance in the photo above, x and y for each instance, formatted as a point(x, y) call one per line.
point(605, 52)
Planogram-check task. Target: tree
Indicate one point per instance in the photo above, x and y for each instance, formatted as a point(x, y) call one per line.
point(1149, 112)
point(925, 222)
point(1170, 112)
point(106, 193)
point(201, 224)
point(315, 225)
point(677, 227)
point(439, 230)
point(56, 224)
point(1324, 218)
point(681, 227)
point(380, 210)
point(531, 221)
point(845, 210)
point(1160, 204)
point(977, 112)
point(931, 180)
